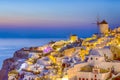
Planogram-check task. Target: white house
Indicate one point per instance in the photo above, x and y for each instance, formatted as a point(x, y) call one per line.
point(96, 67)
point(92, 73)
point(29, 77)
point(103, 52)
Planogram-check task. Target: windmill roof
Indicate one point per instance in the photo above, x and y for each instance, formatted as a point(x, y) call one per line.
point(74, 35)
point(103, 22)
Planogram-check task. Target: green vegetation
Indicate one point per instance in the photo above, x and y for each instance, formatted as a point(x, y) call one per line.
point(103, 70)
point(87, 68)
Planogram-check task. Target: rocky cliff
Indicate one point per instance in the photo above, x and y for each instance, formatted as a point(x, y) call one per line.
point(12, 63)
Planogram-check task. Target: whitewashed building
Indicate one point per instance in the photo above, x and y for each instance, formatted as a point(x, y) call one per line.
point(96, 67)
point(29, 77)
point(103, 52)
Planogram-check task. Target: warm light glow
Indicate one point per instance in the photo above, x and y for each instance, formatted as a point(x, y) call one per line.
point(64, 78)
point(119, 45)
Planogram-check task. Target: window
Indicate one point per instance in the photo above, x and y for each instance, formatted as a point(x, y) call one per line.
point(79, 78)
point(86, 78)
point(91, 78)
point(96, 58)
point(95, 75)
point(91, 58)
point(83, 79)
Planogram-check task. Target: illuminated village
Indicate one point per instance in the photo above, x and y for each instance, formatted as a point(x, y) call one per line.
point(94, 58)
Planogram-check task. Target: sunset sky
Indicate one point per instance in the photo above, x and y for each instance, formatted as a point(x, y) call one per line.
point(55, 18)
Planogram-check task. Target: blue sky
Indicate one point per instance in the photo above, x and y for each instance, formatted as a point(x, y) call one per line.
point(55, 18)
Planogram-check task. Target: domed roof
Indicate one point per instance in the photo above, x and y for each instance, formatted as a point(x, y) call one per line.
point(103, 22)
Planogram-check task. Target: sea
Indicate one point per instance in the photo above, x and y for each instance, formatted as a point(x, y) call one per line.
point(9, 46)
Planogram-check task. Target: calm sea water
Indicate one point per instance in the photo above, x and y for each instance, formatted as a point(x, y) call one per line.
point(9, 46)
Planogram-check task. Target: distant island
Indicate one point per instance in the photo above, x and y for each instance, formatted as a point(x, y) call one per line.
point(93, 58)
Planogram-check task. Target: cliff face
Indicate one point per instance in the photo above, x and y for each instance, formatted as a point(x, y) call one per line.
point(11, 63)
point(5, 68)
point(21, 54)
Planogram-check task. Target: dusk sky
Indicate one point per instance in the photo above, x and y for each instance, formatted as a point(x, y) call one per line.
point(55, 18)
